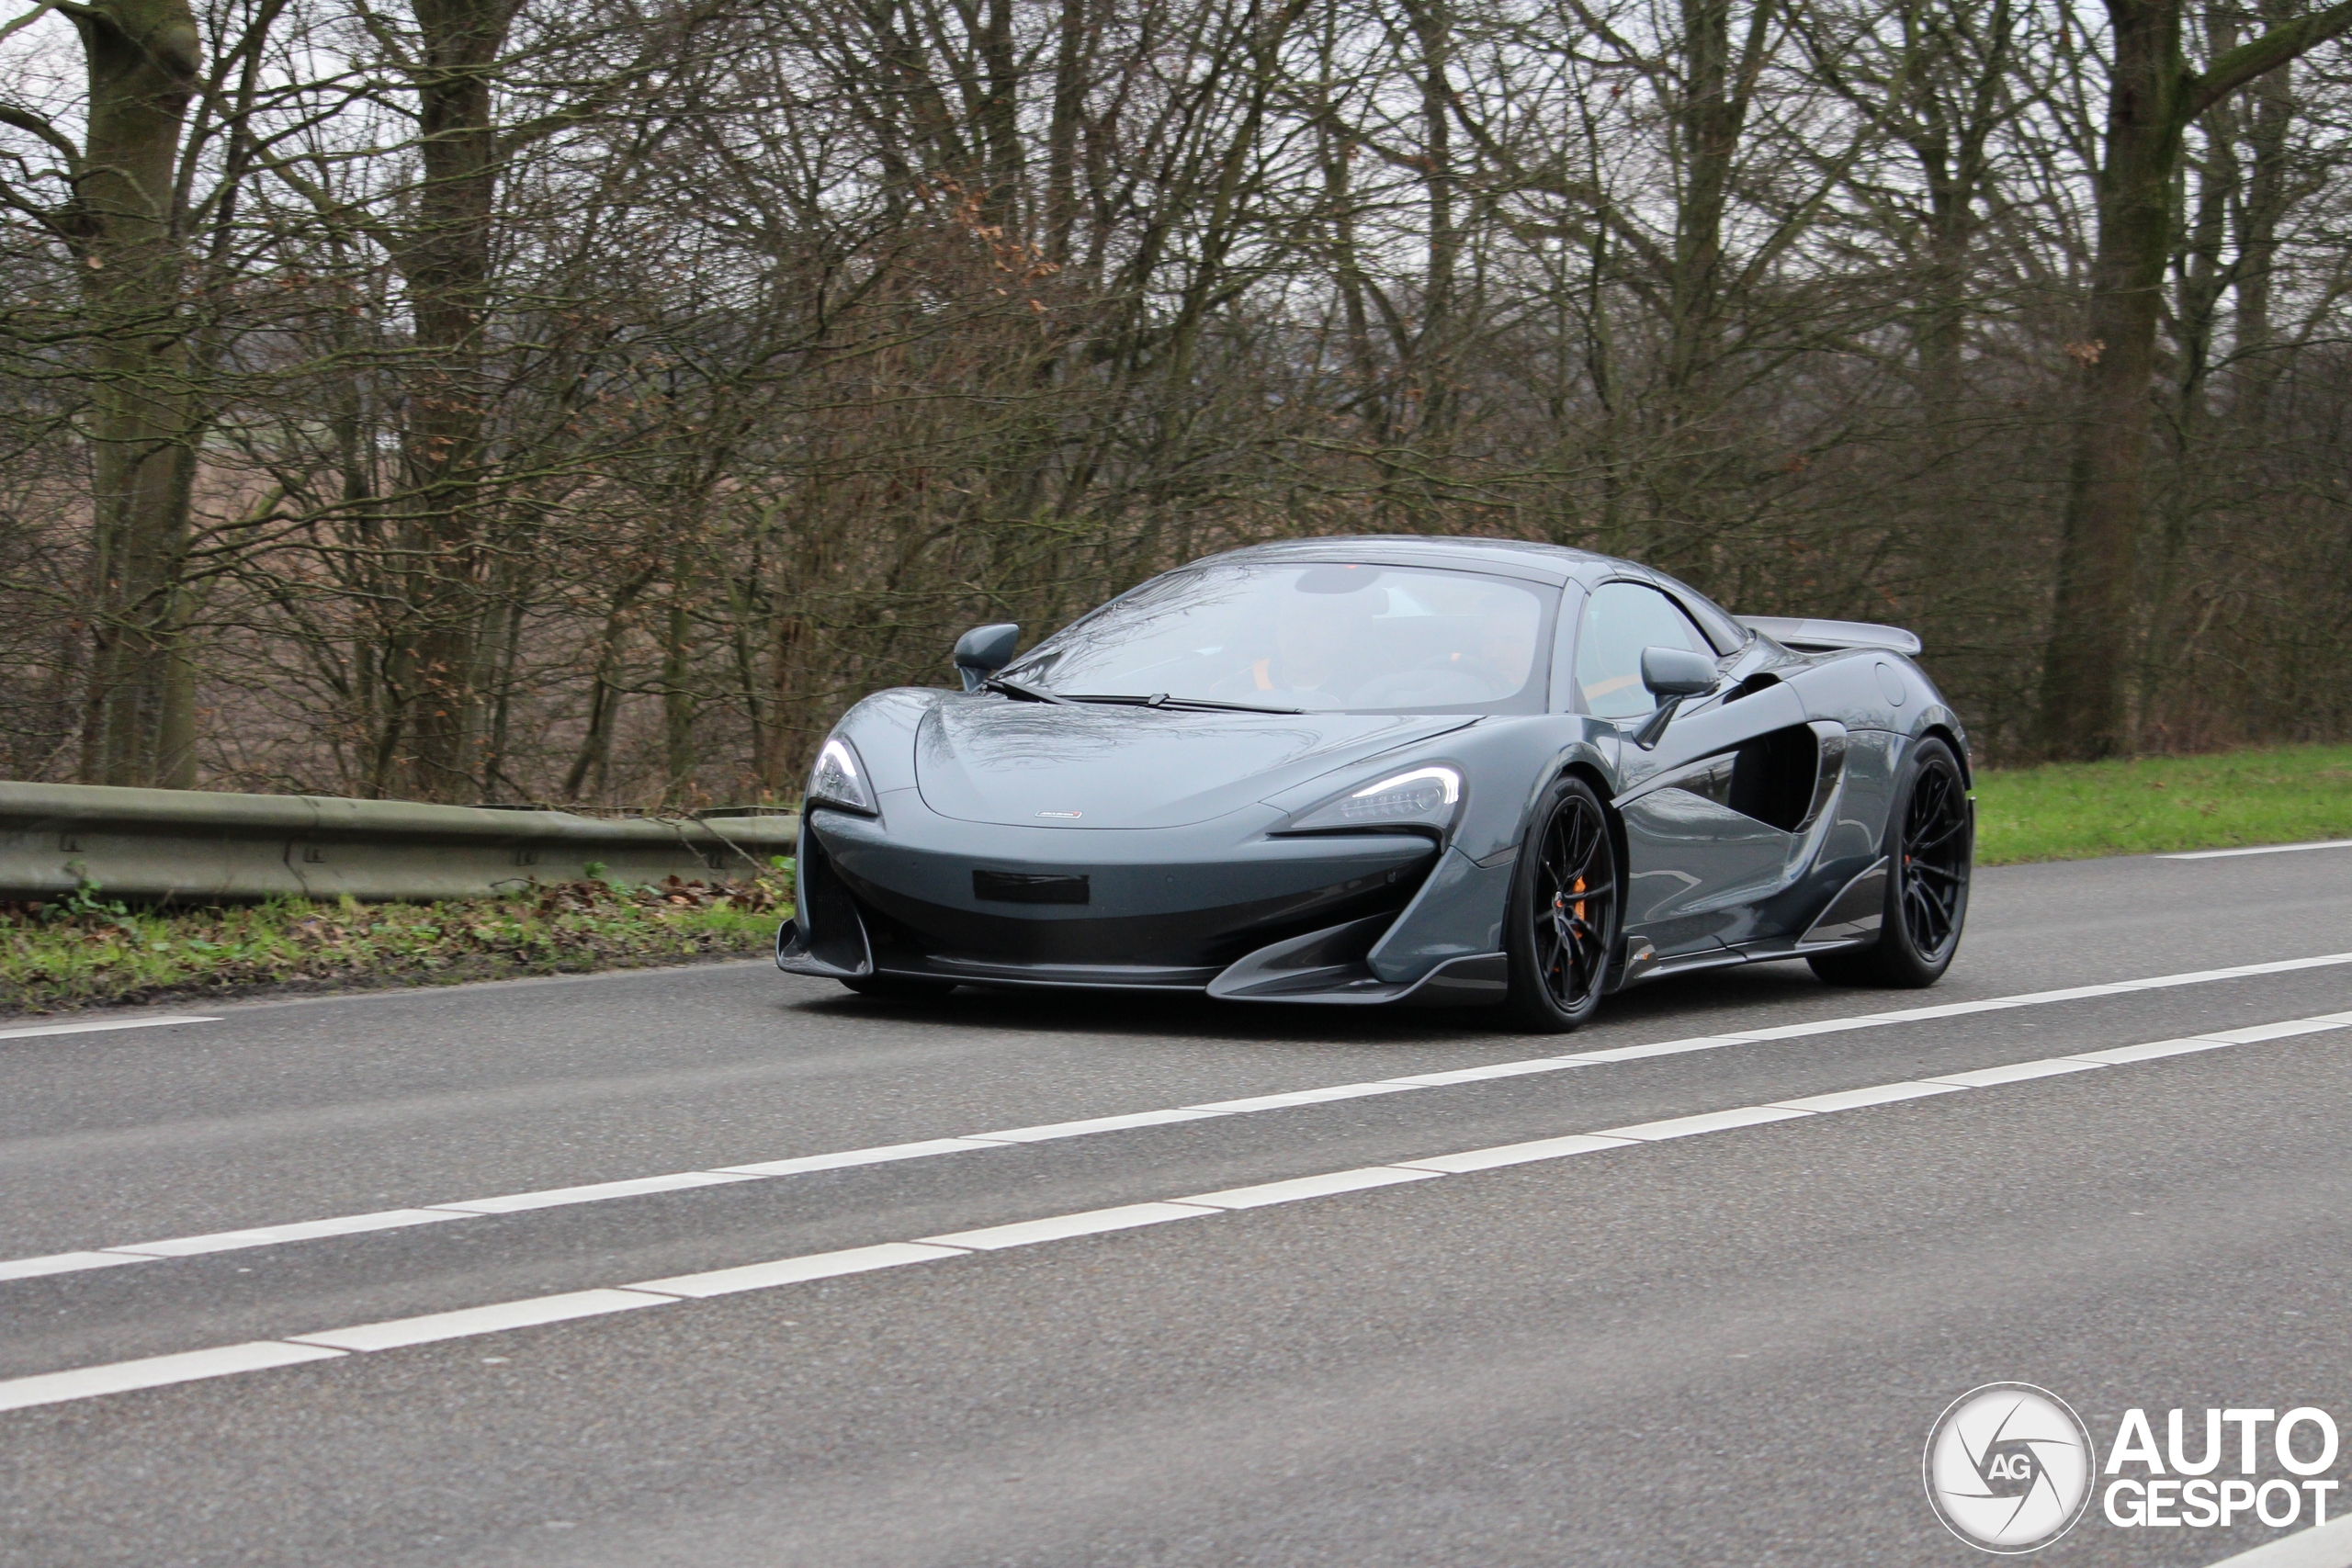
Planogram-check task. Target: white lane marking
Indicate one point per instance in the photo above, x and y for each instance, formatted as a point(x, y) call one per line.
point(797, 1271)
point(95, 1025)
point(68, 1263)
point(1299, 1188)
point(1515, 1154)
point(1877, 1094)
point(2016, 1071)
point(596, 1192)
point(1707, 1121)
point(842, 1159)
point(269, 1235)
point(1053, 1130)
point(1061, 1227)
point(52, 1388)
point(2321, 1546)
point(928, 1148)
point(496, 1318)
point(2262, 849)
point(154, 1371)
point(1297, 1097)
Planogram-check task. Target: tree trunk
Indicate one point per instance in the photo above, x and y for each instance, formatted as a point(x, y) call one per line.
point(142, 57)
point(446, 265)
point(2151, 96)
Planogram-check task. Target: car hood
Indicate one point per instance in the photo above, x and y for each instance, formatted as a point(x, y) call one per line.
point(1086, 766)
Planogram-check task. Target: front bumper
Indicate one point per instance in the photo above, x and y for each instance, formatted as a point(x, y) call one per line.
point(916, 894)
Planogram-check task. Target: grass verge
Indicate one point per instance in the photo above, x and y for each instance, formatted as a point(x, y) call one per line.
point(86, 951)
point(2151, 805)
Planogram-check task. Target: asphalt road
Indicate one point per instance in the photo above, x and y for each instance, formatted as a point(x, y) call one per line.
point(1722, 1348)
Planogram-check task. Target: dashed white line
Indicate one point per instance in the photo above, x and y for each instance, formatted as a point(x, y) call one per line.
point(2262, 849)
point(593, 1193)
point(52, 1388)
point(94, 1026)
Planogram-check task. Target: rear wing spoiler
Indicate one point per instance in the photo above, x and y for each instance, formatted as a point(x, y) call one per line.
point(1823, 637)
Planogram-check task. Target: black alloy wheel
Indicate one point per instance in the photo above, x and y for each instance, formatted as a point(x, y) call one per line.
point(1931, 853)
point(1563, 918)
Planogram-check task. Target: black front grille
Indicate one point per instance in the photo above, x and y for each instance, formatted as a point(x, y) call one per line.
point(1030, 887)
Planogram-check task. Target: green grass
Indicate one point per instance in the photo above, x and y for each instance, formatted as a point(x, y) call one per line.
point(2150, 805)
point(87, 951)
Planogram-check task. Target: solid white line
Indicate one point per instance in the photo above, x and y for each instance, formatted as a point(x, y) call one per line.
point(1300, 1187)
point(797, 1271)
point(50, 1388)
point(67, 1263)
point(1053, 1130)
point(2016, 1072)
point(1061, 1227)
point(270, 1235)
point(2122, 1055)
point(1515, 1154)
point(2321, 1546)
point(2262, 849)
point(95, 1025)
point(496, 1318)
point(1708, 1122)
point(1298, 1097)
point(596, 1192)
point(846, 1158)
point(154, 1371)
point(1877, 1094)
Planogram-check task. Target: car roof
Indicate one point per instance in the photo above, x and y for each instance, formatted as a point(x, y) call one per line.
point(1554, 564)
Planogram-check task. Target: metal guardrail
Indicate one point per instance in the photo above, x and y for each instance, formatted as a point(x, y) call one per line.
point(193, 846)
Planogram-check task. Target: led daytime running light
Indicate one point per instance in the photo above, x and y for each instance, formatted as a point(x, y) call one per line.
point(1446, 778)
point(837, 779)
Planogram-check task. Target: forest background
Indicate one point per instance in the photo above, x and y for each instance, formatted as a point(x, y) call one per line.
point(582, 400)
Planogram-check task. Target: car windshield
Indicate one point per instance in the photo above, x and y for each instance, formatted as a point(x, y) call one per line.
point(1326, 636)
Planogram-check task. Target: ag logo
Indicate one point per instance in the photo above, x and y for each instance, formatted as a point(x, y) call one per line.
point(2009, 1467)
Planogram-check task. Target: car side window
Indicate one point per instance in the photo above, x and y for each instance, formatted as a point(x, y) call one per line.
point(1620, 620)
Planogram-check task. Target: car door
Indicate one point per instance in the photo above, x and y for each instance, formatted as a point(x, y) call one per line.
point(1693, 859)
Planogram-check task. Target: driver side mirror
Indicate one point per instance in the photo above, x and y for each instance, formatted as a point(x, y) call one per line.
point(984, 651)
point(1671, 674)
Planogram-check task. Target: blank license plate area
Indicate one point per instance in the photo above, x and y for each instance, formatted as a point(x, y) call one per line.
point(1029, 887)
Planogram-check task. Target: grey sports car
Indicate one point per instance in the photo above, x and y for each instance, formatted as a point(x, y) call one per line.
point(1393, 770)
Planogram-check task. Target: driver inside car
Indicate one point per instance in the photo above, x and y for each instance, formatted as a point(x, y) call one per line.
point(1325, 639)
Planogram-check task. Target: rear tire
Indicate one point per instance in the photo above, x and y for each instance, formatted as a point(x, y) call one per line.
point(1931, 853)
point(1561, 925)
point(900, 988)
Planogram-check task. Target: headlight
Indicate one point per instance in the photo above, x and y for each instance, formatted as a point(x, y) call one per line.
point(1424, 798)
point(839, 779)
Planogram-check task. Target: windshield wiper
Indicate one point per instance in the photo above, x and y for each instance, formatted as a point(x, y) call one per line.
point(1162, 700)
point(1026, 693)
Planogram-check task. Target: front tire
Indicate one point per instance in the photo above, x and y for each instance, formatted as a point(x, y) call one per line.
point(1930, 855)
point(1562, 922)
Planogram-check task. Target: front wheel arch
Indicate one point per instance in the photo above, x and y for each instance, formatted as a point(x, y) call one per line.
point(1552, 946)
